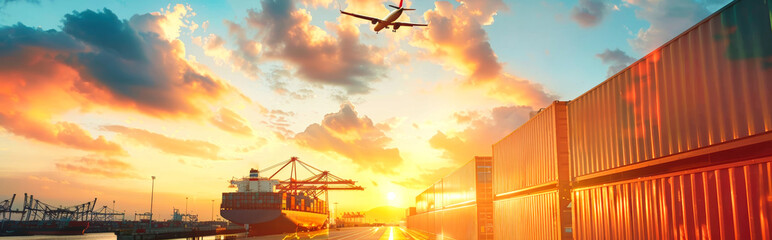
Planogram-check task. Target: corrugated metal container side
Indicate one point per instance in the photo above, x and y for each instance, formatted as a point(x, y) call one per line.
point(438, 191)
point(731, 201)
point(536, 216)
point(458, 223)
point(710, 85)
point(529, 156)
point(423, 222)
point(459, 187)
point(424, 202)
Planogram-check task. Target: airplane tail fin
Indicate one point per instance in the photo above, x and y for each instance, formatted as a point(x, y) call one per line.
point(400, 3)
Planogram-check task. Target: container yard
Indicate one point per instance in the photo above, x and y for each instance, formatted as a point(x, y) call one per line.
point(459, 206)
point(676, 146)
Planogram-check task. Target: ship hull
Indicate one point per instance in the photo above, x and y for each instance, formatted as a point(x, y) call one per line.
point(269, 221)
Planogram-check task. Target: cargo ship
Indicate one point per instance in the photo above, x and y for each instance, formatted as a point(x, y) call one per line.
point(263, 209)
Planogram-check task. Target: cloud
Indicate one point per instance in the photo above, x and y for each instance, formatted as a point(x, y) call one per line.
point(277, 80)
point(481, 132)
point(279, 121)
point(110, 62)
point(353, 137)
point(102, 167)
point(588, 13)
point(616, 59)
point(456, 39)
point(6, 2)
point(289, 36)
point(316, 3)
point(244, 58)
point(285, 33)
point(98, 61)
point(425, 178)
point(181, 147)
point(521, 91)
point(61, 133)
point(667, 19)
point(232, 122)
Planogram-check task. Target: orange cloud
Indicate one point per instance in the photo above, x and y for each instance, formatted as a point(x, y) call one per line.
point(98, 61)
point(481, 132)
point(353, 137)
point(457, 40)
point(424, 179)
point(285, 33)
point(182, 147)
point(232, 122)
point(103, 167)
point(61, 133)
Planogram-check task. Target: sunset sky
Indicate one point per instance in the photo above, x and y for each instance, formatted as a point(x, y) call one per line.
point(97, 96)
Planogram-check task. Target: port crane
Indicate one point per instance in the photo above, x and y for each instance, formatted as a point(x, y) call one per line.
point(319, 183)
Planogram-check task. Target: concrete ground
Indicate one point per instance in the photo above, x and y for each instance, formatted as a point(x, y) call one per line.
point(363, 233)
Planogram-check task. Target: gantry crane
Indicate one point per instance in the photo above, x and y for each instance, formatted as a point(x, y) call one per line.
point(319, 183)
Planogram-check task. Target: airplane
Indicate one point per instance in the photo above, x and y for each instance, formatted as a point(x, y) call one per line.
point(389, 20)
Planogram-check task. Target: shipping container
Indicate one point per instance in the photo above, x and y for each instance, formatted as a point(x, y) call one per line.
point(455, 213)
point(437, 190)
point(731, 201)
point(459, 187)
point(533, 155)
point(710, 85)
point(425, 200)
point(535, 216)
point(458, 223)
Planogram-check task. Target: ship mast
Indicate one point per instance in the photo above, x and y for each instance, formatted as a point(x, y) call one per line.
point(319, 183)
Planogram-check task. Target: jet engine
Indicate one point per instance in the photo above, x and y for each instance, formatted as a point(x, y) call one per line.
point(396, 26)
point(375, 22)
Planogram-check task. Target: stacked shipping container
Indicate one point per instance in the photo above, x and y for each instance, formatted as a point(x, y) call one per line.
point(676, 146)
point(530, 180)
point(449, 208)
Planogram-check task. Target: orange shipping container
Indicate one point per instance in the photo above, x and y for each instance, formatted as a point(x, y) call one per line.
point(531, 179)
point(459, 187)
point(458, 223)
point(535, 216)
point(731, 201)
point(535, 154)
point(710, 85)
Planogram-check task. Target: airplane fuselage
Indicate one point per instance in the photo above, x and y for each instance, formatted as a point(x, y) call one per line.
point(388, 20)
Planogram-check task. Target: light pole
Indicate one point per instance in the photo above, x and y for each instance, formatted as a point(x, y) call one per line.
point(186, 206)
point(212, 210)
point(152, 189)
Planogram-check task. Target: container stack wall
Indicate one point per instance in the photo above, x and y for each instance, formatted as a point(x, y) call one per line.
point(454, 214)
point(679, 144)
point(707, 87)
point(531, 184)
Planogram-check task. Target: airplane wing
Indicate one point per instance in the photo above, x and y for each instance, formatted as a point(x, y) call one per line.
point(360, 16)
point(410, 24)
